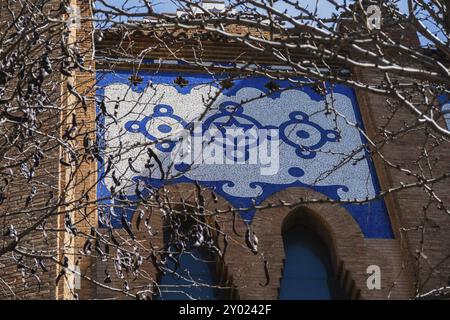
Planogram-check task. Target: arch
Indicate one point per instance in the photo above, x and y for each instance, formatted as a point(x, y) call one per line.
point(246, 274)
point(209, 268)
point(193, 277)
point(307, 270)
point(331, 222)
point(193, 274)
point(257, 276)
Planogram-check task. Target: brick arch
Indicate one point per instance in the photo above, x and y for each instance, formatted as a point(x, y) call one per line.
point(150, 276)
point(187, 193)
point(351, 253)
point(245, 272)
point(332, 222)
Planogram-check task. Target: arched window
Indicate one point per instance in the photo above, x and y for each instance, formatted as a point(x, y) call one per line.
point(192, 274)
point(307, 271)
point(192, 279)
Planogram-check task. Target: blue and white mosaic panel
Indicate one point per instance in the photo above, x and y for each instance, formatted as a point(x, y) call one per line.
point(317, 149)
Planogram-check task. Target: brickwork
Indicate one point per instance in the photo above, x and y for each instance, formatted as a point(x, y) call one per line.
point(15, 211)
point(406, 207)
point(403, 270)
point(86, 174)
point(352, 254)
point(56, 181)
point(245, 272)
point(424, 238)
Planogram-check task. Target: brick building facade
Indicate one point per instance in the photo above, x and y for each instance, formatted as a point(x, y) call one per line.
point(391, 242)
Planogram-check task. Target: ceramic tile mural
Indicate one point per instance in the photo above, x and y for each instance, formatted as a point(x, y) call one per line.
point(313, 145)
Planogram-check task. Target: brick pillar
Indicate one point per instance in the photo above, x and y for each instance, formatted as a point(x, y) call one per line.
point(85, 174)
point(412, 228)
point(14, 210)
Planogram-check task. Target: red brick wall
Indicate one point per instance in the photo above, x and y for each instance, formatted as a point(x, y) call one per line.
point(244, 272)
point(14, 211)
point(424, 235)
point(400, 264)
point(416, 230)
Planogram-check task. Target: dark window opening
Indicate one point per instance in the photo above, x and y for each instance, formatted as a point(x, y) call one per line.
point(307, 272)
point(192, 274)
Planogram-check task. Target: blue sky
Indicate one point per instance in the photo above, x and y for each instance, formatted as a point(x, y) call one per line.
point(324, 8)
